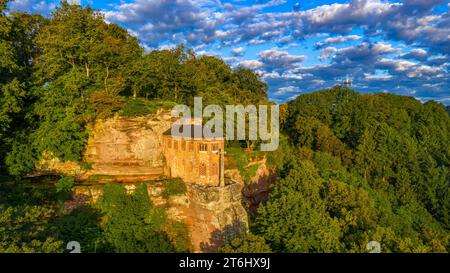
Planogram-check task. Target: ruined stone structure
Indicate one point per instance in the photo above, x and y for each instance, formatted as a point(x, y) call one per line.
point(144, 147)
point(195, 160)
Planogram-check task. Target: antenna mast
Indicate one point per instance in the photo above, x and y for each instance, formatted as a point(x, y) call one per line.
point(347, 83)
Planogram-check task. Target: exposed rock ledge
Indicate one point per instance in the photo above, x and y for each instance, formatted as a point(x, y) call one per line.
point(129, 150)
point(210, 213)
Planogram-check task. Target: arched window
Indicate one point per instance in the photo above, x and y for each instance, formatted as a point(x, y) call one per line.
point(214, 169)
point(215, 147)
point(202, 169)
point(203, 147)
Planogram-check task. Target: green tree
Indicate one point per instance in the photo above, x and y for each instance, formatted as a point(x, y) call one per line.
point(17, 33)
point(295, 217)
point(132, 224)
point(25, 229)
point(248, 243)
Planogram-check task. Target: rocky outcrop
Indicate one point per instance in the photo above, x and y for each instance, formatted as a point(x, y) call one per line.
point(257, 191)
point(210, 213)
point(130, 150)
point(128, 146)
point(50, 165)
point(118, 146)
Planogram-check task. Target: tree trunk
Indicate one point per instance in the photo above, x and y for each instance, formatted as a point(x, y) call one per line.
point(106, 78)
point(87, 69)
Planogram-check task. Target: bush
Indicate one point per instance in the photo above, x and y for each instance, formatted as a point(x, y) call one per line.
point(24, 229)
point(65, 184)
point(141, 107)
point(239, 159)
point(178, 235)
point(21, 159)
point(131, 223)
point(87, 166)
point(246, 243)
point(174, 187)
point(81, 225)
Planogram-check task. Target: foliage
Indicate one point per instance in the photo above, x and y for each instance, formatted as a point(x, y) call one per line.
point(351, 167)
point(178, 75)
point(294, 219)
point(243, 160)
point(356, 168)
point(87, 165)
point(25, 218)
point(65, 184)
point(178, 234)
point(81, 225)
point(25, 229)
point(85, 69)
point(248, 243)
point(174, 186)
point(141, 107)
point(131, 223)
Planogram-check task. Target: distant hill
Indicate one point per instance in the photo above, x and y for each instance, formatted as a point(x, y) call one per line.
point(362, 166)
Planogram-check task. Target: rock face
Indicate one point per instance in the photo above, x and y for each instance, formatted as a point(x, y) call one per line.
point(257, 191)
point(131, 150)
point(213, 213)
point(210, 213)
point(128, 146)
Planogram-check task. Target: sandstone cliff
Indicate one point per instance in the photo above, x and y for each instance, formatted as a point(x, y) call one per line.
point(257, 190)
point(210, 213)
point(118, 146)
point(128, 146)
point(130, 150)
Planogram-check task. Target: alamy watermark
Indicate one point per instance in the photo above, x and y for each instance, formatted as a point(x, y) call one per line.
point(237, 117)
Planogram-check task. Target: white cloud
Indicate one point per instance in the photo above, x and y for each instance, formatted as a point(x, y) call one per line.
point(373, 77)
point(287, 89)
point(237, 51)
point(338, 40)
point(275, 59)
point(251, 64)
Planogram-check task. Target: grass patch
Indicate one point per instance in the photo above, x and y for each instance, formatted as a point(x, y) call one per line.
point(87, 166)
point(239, 159)
point(174, 186)
point(141, 107)
point(251, 171)
point(97, 177)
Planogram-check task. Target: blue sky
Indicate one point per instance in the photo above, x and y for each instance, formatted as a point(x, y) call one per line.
point(401, 47)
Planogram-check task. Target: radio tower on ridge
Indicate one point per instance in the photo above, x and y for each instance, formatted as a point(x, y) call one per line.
point(347, 83)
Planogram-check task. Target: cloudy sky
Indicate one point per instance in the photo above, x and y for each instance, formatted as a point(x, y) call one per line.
point(402, 47)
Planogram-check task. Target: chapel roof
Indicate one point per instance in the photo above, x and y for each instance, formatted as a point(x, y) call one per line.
point(191, 129)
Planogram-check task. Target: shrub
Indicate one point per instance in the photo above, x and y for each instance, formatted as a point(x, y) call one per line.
point(141, 107)
point(87, 166)
point(131, 223)
point(80, 225)
point(65, 184)
point(174, 187)
point(246, 243)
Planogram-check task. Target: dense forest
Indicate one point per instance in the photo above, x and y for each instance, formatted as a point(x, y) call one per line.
point(351, 167)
